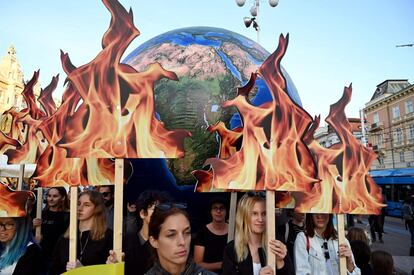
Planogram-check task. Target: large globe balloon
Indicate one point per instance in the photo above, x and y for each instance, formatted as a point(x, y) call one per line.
point(210, 64)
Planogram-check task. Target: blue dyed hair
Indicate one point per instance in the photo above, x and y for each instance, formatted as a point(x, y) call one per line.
point(18, 245)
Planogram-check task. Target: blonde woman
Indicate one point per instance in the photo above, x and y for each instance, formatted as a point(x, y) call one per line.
point(246, 254)
point(94, 239)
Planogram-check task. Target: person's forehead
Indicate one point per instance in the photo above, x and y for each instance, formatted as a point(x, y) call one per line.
point(218, 204)
point(6, 220)
point(176, 222)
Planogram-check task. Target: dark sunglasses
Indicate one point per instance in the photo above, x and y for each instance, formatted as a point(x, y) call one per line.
point(326, 253)
point(168, 205)
point(260, 194)
point(105, 194)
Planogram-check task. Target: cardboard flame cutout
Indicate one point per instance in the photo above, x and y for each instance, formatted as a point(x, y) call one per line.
point(15, 203)
point(119, 96)
point(278, 152)
point(35, 133)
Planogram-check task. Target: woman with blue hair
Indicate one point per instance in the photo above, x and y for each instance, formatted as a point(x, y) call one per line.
point(19, 254)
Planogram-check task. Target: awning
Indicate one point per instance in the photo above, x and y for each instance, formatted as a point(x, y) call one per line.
point(393, 176)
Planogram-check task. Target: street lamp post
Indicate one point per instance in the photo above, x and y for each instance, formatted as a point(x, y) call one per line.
point(254, 12)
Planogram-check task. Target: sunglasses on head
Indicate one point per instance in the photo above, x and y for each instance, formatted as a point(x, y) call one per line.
point(326, 253)
point(169, 205)
point(260, 194)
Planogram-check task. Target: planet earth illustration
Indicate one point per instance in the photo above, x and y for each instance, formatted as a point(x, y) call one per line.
point(210, 64)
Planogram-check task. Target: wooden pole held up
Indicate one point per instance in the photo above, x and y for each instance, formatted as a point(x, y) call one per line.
point(232, 216)
point(341, 239)
point(73, 226)
point(271, 228)
point(39, 204)
point(118, 203)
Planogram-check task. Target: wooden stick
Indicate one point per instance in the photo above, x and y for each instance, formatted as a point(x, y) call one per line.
point(21, 177)
point(39, 205)
point(232, 216)
point(73, 226)
point(341, 239)
point(118, 203)
point(271, 227)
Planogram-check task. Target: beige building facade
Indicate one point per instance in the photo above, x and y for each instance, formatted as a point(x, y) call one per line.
point(390, 117)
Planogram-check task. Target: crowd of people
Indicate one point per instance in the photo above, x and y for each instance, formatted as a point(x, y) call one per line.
point(158, 239)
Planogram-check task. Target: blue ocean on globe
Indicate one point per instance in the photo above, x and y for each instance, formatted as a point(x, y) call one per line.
point(210, 64)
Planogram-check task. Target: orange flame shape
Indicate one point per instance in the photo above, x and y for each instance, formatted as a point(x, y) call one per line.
point(116, 116)
point(278, 152)
point(35, 133)
point(15, 203)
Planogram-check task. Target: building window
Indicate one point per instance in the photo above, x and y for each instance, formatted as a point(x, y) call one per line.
point(396, 112)
point(376, 118)
point(398, 134)
point(402, 159)
point(409, 107)
point(411, 131)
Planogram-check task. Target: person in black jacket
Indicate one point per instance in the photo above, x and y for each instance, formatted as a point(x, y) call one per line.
point(137, 250)
point(19, 254)
point(246, 255)
point(94, 238)
point(170, 236)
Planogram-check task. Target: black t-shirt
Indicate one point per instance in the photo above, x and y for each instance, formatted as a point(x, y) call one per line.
point(54, 224)
point(89, 252)
point(213, 245)
point(138, 255)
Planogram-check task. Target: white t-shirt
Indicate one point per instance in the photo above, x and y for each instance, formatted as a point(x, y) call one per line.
point(256, 268)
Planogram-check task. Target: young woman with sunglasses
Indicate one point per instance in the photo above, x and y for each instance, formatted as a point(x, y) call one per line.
point(19, 254)
point(317, 251)
point(54, 221)
point(246, 254)
point(170, 236)
point(94, 238)
point(211, 239)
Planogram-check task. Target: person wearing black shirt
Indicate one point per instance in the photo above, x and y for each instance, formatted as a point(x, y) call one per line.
point(54, 221)
point(137, 250)
point(94, 238)
point(212, 238)
point(288, 232)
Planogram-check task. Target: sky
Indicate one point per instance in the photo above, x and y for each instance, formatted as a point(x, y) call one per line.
point(332, 43)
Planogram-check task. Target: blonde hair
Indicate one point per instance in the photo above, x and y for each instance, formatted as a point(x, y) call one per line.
point(99, 227)
point(243, 230)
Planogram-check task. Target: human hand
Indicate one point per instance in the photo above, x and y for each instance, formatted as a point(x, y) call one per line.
point(345, 251)
point(73, 265)
point(112, 258)
point(267, 270)
point(37, 222)
point(280, 250)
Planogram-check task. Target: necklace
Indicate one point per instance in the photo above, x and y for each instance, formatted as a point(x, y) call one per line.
point(84, 247)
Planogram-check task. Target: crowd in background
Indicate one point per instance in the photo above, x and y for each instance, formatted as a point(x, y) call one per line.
point(158, 238)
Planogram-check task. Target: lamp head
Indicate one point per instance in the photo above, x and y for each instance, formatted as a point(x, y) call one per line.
point(240, 3)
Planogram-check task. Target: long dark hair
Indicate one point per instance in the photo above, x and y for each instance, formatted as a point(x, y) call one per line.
point(329, 232)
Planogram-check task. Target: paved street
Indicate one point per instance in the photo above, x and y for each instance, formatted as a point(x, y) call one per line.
point(396, 242)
